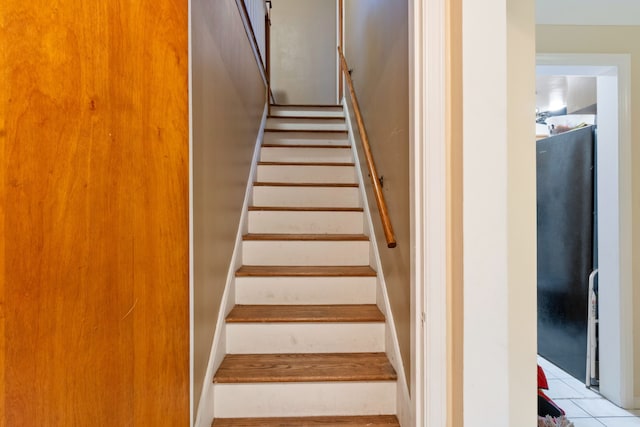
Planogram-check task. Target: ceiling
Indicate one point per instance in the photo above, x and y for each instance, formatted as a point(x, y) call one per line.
point(588, 12)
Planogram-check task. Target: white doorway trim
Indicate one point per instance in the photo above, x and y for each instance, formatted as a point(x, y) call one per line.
point(429, 307)
point(614, 212)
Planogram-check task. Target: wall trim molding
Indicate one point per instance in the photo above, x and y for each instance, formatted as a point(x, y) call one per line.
point(430, 382)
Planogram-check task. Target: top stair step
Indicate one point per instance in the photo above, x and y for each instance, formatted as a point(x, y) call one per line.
point(307, 110)
point(305, 271)
point(357, 421)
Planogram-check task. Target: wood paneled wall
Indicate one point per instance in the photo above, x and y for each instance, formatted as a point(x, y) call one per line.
point(94, 143)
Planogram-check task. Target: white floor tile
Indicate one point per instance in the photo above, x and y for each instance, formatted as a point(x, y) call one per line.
point(551, 370)
point(558, 389)
point(550, 374)
point(581, 389)
point(571, 409)
point(620, 421)
point(601, 408)
point(586, 422)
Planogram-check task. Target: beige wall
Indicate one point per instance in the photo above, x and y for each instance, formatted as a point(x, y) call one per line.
point(610, 39)
point(228, 101)
point(376, 48)
point(499, 221)
point(303, 51)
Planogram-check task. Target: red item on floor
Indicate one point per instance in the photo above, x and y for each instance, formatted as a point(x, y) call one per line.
point(542, 379)
point(546, 406)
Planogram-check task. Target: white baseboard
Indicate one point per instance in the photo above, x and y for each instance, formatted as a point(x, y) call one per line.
point(403, 404)
point(205, 411)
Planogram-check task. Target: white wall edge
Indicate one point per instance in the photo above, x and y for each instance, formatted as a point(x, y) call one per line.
point(392, 348)
point(205, 412)
point(624, 396)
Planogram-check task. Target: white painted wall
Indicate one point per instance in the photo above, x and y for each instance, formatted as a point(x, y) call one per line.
point(581, 93)
point(303, 51)
point(499, 212)
point(609, 245)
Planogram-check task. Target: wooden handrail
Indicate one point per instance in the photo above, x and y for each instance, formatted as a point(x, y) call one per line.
point(242, 7)
point(377, 188)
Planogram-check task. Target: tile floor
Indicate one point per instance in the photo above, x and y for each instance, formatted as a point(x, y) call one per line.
point(585, 408)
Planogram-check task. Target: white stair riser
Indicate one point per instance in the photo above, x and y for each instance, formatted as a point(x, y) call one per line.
point(305, 138)
point(304, 399)
point(306, 124)
point(306, 112)
point(273, 252)
point(305, 290)
point(318, 197)
point(289, 337)
point(305, 154)
point(305, 222)
point(307, 174)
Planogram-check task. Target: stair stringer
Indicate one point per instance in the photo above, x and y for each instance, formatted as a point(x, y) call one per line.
point(205, 413)
point(403, 405)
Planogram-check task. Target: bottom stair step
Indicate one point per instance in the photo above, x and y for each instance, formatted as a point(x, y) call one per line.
point(363, 421)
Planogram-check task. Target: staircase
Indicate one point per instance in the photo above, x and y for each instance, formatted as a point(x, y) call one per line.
point(305, 341)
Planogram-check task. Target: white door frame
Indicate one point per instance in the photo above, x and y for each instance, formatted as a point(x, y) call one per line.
point(427, 49)
point(614, 231)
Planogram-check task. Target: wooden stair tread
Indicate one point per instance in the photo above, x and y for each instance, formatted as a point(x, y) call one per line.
point(263, 368)
point(307, 237)
point(307, 130)
point(314, 135)
point(320, 118)
point(341, 164)
point(350, 313)
point(352, 421)
point(341, 146)
point(305, 271)
point(302, 209)
point(331, 106)
point(304, 184)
